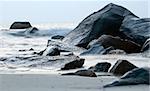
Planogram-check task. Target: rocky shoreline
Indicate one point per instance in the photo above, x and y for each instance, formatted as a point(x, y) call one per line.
point(111, 30)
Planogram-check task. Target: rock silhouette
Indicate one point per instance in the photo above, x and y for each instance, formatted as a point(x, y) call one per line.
point(20, 25)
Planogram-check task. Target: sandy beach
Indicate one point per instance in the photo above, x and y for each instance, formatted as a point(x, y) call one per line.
point(51, 82)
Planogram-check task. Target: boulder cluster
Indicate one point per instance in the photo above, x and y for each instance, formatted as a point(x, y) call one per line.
point(112, 27)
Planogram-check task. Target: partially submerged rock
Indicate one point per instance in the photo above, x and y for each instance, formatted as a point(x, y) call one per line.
point(78, 63)
point(31, 30)
point(105, 21)
point(57, 37)
point(51, 51)
point(133, 77)
point(87, 73)
point(121, 67)
point(101, 67)
point(20, 25)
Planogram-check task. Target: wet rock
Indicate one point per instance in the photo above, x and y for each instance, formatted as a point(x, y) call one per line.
point(51, 51)
point(101, 67)
point(136, 29)
point(31, 30)
point(105, 21)
point(133, 77)
point(87, 73)
point(78, 63)
point(118, 43)
point(121, 67)
point(20, 25)
point(57, 37)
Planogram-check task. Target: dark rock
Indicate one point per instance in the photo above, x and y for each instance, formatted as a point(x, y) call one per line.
point(136, 29)
point(121, 67)
point(22, 50)
point(20, 25)
point(87, 73)
point(133, 77)
point(146, 45)
point(57, 37)
point(31, 49)
point(101, 67)
point(105, 21)
point(118, 43)
point(95, 49)
point(51, 51)
point(78, 63)
point(31, 30)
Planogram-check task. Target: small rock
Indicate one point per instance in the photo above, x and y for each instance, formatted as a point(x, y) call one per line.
point(121, 67)
point(133, 77)
point(87, 73)
point(22, 50)
point(51, 51)
point(78, 63)
point(31, 49)
point(101, 67)
point(57, 37)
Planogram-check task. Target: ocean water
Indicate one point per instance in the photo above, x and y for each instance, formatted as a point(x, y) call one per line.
point(16, 56)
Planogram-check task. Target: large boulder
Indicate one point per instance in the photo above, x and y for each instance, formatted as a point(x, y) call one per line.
point(78, 63)
point(133, 77)
point(20, 25)
point(121, 67)
point(105, 21)
point(118, 43)
point(101, 67)
point(136, 29)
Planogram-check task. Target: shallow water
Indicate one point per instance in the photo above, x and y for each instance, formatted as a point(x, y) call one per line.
point(16, 45)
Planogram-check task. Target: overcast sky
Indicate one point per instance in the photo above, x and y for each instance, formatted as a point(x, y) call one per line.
point(56, 11)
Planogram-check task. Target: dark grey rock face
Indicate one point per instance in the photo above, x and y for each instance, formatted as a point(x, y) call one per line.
point(121, 67)
point(20, 25)
point(78, 63)
point(133, 77)
point(118, 43)
point(136, 29)
point(105, 21)
point(101, 67)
